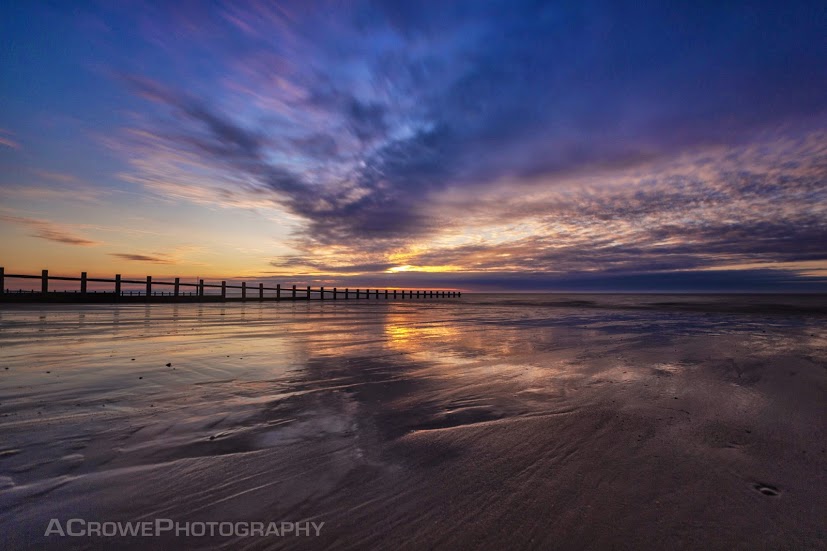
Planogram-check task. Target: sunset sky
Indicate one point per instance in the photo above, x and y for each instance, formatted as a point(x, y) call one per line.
point(509, 145)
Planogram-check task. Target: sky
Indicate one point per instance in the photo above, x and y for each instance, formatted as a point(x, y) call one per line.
point(484, 145)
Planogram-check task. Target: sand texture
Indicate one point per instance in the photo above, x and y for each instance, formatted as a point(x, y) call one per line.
point(546, 422)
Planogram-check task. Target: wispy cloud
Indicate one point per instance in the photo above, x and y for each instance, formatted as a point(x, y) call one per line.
point(495, 138)
point(6, 139)
point(154, 258)
point(50, 231)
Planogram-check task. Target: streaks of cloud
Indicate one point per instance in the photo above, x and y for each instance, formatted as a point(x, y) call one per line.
point(6, 139)
point(553, 138)
point(157, 258)
point(43, 229)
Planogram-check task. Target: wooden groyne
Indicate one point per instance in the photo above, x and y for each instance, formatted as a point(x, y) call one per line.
point(151, 290)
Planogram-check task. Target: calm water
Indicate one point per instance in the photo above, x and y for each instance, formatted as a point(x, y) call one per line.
point(481, 422)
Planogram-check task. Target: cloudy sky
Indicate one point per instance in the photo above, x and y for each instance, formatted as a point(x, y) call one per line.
point(505, 145)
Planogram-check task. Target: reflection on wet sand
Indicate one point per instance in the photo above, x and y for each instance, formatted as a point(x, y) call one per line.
point(466, 424)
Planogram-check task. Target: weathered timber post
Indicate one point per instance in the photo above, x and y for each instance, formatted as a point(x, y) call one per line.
point(117, 285)
point(243, 290)
point(335, 291)
point(376, 295)
point(357, 294)
point(83, 283)
point(200, 287)
point(261, 291)
point(432, 294)
point(44, 281)
point(321, 293)
point(294, 292)
point(223, 290)
point(347, 293)
point(308, 292)
point(148, 286)
point(394, 293)
point(278, 291)
point(177, 286)
point(386, 294)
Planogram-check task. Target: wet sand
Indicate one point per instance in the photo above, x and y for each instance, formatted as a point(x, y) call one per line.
point(488, 422)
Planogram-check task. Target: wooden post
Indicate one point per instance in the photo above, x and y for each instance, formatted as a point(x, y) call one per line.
point(261, 291)
point(357, 294)
point(83, 282)
point(2, 280)
point(334, 293)
point(294, 292)
point(321, 293)
point(44, 281)
point(394, 293)
point(177, 285)
point(200, 287)
point(278, 291)
point(308, 292)
point(148, 286)
point(376, 295)
point(117, 285)
point(243, 290)
point(223, 290)
point(347, 293)
point(386, 294)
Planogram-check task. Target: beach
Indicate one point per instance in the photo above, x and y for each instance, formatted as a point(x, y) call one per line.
point(485, 422)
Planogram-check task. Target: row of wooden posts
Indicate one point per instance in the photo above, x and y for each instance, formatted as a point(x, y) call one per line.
point(293, 293)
